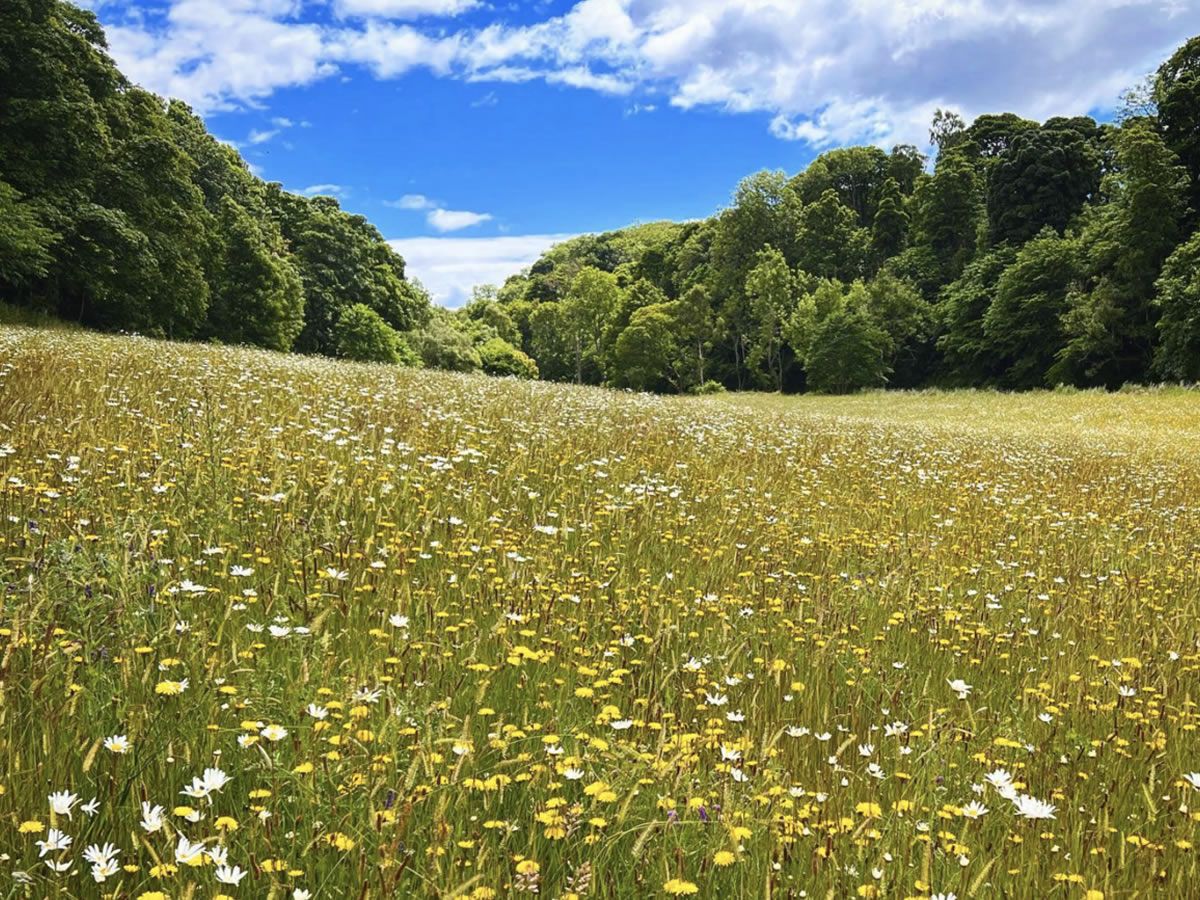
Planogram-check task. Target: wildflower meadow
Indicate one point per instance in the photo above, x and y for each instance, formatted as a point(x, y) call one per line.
point(283, 627)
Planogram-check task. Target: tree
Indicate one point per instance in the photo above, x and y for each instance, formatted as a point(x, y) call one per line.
point(342, 259)
point(362, 335)
point(1024, 322)
point(441, 345)
point(856, 176)
point(485, 308)
point(832, 245)
point(1043, 179)
point(889, 230)
point(769, 287)
point(968, 357)
point(647, 351)
point(550, 344)
point(904, 316)
point(1177, 97)
point(696, 330)
point(847, 352)
point(1111, 321)
point(498, 357)
point(1178, 355)
point(25, 244)
point(947, 130)
point(257, 295)
point(949, 209)
point(586, 311)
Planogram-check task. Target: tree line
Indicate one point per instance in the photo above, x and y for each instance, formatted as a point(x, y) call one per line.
point(1028, 255)
point(120, 211)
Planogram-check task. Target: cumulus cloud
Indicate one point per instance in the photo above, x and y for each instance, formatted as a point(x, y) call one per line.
point(450, 266)
point(824, 72)
point(444, 220)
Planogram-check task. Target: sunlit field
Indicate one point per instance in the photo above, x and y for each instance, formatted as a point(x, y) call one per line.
point(275, 627)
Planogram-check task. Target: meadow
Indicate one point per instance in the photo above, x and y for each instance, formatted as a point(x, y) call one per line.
point(282, 627)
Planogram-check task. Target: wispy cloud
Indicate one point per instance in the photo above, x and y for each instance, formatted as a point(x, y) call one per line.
point(411, 201)
point(450, 266)
point(326, 190)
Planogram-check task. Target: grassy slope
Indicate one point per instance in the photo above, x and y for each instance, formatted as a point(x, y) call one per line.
point(590, 572)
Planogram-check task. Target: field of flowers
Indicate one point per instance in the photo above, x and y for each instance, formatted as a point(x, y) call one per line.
point(277, 627)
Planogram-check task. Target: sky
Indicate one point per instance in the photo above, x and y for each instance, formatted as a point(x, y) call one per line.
point(476, 134)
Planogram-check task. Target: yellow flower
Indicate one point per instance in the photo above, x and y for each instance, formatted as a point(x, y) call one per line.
point(724, 858)
point(226, 823)
point(152, 895)
point(30, 826)
point(678, 887)
point(528, 867)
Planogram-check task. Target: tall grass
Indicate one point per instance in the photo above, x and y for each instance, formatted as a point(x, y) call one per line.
point(451, 636)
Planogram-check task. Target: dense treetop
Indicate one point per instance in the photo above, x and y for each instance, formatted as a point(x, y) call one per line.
point(1024, 255)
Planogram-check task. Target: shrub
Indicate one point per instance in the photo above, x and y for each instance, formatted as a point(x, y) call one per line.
point(499, 357)
point(361, 334)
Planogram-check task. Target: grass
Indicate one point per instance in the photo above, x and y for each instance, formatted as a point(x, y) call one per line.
point(453, 636)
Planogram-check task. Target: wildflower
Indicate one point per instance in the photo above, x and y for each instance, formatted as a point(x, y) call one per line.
point(189, 854)
point(1193, 778)
point(152, 817)
point(274, 732)
point(960, 687)
point(118, 743)
point(228, 875)
point(677, 887)
point(55, 840)
point(974, 810)
point(1028, 807)
point(723, 858)
point(62, 802)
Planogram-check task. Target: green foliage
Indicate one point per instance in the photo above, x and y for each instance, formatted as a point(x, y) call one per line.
point(832, 243)
point(25, 244)
point(949, 211)
point(258, 297)
point(1176, 95)
point(771, 289)
point(967, 354)
point(1043, 179)
point(1110, 325)
point(498, 357)
point(587, 310)
point(1178, 356)
point(1023, 324)
point(361, 334)
point(848, 349)
point(441, 344)
point(1032, 254)
point(122, 212)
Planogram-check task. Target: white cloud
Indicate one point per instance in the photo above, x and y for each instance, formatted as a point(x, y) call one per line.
point(822, 71)
point(411, 201)
point(403, 9)
point(444, 220)
point(325, 190)
point(450, 266)
point(261, 137)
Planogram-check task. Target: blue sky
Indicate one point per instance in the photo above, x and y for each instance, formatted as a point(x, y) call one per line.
point(475, 134)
